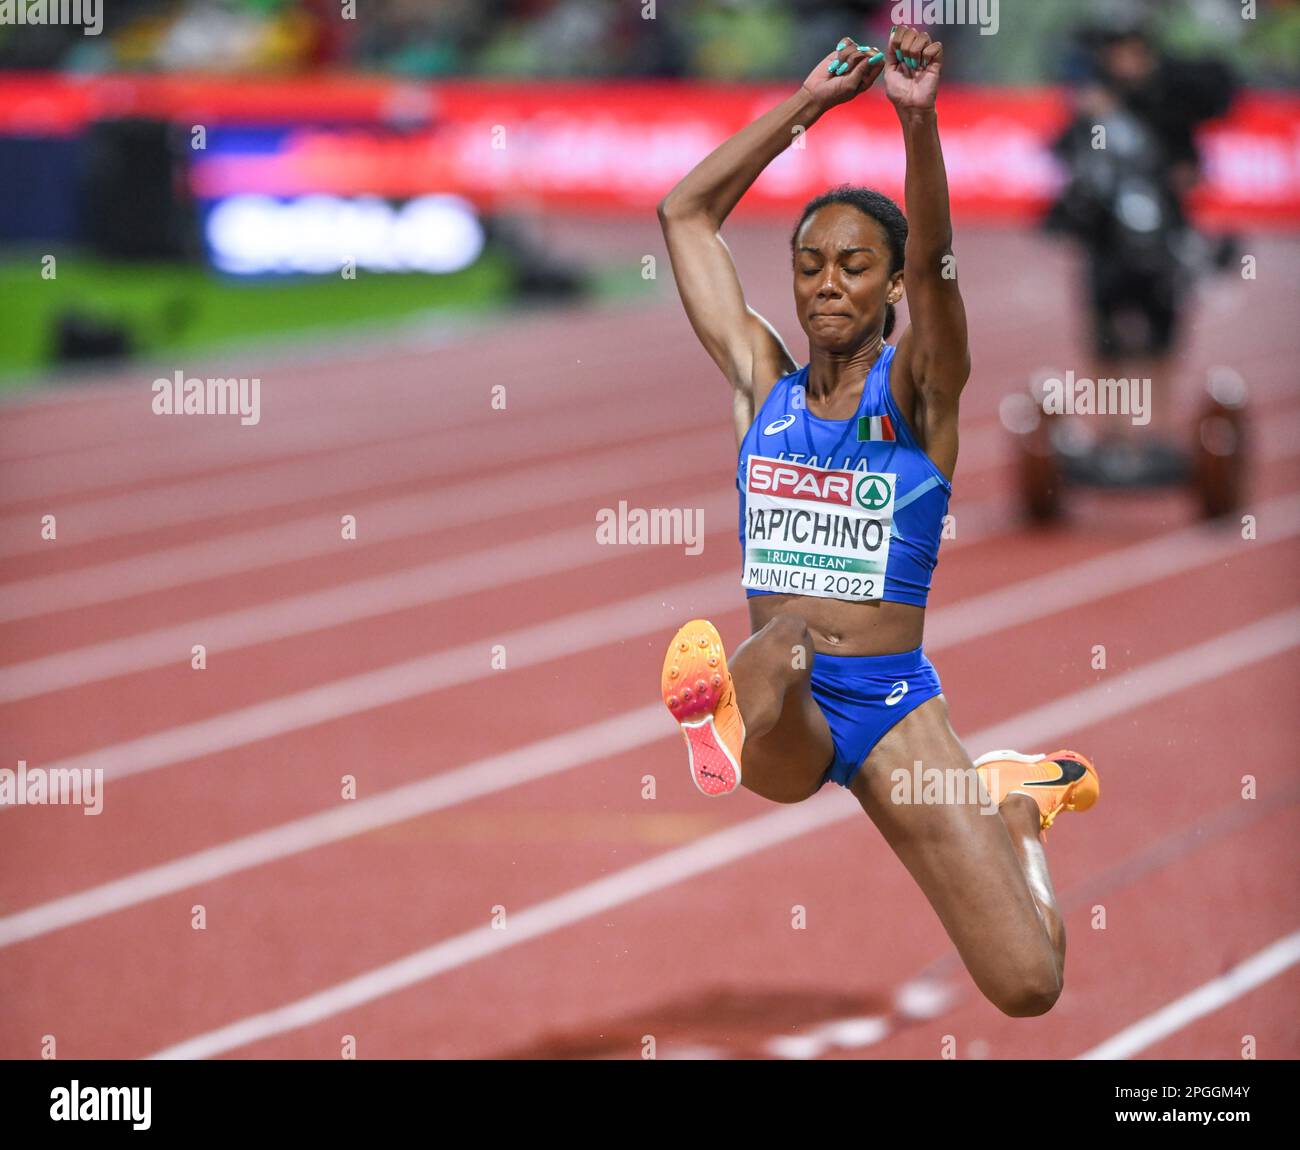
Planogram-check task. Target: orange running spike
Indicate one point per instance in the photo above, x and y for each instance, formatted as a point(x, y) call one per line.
point(1060, 781)
point(697, 689)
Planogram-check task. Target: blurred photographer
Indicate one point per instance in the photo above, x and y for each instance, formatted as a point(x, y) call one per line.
point(1132, 160)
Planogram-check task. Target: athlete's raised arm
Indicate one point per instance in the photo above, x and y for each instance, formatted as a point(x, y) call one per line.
point(933, 352)
point(742, 343)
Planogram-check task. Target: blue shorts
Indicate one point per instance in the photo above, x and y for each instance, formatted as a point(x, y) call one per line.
point(863, 696)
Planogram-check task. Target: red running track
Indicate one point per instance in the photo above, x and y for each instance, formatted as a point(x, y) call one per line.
point(518, 793)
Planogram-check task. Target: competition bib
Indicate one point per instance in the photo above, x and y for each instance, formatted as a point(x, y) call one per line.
point(814, 531)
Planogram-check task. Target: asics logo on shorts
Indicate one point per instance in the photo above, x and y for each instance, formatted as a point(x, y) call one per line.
point(778, 425)
point(900, 689)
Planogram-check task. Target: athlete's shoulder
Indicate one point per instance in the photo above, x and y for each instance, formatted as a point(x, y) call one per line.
point(900, 341)
point(777, 390)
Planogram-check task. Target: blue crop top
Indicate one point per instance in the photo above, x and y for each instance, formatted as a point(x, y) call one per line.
point(838, 508)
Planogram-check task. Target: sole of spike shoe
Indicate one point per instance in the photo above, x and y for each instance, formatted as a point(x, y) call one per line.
point(697, 690)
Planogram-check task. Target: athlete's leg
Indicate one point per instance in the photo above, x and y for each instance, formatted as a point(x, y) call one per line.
point(1022, 818)
point(787, 739)
point(981, 869)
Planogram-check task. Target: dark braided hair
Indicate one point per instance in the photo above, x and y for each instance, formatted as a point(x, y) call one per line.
point(881, 209)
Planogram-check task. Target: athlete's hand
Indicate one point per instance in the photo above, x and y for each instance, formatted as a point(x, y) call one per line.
point(830, 83)
point(913, 63)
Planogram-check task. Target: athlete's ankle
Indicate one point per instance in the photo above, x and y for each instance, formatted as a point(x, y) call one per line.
point(1021, 813)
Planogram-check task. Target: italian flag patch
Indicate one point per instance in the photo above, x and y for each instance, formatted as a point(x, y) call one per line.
point(875, 429)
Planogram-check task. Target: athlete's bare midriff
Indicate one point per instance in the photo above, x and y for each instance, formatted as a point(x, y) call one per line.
point(839, 627)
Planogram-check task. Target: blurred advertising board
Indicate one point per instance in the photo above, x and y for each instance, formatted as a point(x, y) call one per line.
point(607, 148)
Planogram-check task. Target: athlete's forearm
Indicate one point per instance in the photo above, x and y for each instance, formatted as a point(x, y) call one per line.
point(925, 186)
point(714, 186)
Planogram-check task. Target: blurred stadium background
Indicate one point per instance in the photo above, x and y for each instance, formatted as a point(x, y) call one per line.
point(192, 150)
point(384, 214)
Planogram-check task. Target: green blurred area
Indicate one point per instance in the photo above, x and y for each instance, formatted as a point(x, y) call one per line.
point(168, 307)
point(776, 40)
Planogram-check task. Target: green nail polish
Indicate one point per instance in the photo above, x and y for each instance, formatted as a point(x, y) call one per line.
point(876, 58)
point(831, 66)
point(842, 68)
point(840, 46)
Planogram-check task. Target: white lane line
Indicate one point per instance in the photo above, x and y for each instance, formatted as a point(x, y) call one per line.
point(295, 417)
point(378, 595)
point(838, 1033)
point(393, 359)
point(295, 424)
point(1206, 999)
point(532, 488)
point(181, 456)
point(1112, 573)
point(429, 583)
point(349, 472)
point(400, 352)
point(1165, 677)
point(409, 679)
point(546, 486)
point(210, 446)
point(458, 785)
point(500, 772)
point(585, 630)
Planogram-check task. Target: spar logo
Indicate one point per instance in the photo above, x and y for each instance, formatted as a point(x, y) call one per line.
point(874, 492)
point(792, 481)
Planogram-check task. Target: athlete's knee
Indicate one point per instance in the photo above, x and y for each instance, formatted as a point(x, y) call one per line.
point(790, 791)
point(789, 642)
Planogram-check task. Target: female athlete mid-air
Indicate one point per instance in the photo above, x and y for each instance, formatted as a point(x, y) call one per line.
point(844, 472)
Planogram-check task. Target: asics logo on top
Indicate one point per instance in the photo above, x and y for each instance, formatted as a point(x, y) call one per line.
point(900, 689)
point(778, 425)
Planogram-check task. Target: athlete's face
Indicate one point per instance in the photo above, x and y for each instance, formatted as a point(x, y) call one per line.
point(841, 277)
